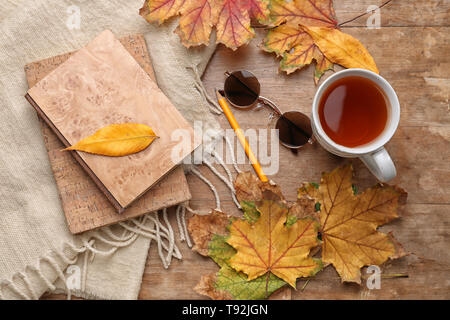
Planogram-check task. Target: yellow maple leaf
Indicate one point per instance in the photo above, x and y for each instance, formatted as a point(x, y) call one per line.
point(349, 222)
point(274, 245)
point(342, 48)
point(117, 140)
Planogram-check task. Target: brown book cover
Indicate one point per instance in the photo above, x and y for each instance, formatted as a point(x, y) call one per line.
point(99, 85)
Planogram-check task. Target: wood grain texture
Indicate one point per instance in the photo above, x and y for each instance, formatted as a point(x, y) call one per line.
point(415, 60)
point(100, 85)
point(411, 50)
point(85, 206)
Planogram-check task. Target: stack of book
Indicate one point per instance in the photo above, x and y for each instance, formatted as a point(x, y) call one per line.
point(99, 85)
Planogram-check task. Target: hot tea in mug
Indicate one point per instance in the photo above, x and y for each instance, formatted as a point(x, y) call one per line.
point(353, 111)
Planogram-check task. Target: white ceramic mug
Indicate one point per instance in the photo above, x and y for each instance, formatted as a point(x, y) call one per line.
point(373, 154)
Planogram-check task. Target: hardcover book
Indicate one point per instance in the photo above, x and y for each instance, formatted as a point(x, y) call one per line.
point(103, 84)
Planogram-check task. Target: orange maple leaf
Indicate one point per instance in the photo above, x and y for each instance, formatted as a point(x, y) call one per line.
point(293, 43)
point(307, 31)
point(231, 18)
point(317, 13)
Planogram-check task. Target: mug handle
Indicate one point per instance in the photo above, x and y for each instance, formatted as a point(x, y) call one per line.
point(380, 164)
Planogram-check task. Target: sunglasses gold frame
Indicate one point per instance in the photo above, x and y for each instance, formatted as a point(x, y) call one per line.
point(267, 102)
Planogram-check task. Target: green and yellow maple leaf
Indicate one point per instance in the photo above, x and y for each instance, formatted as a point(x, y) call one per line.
point(210, 234)
point(228, 283)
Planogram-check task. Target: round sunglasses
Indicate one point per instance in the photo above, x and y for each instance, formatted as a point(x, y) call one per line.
point(242, 90)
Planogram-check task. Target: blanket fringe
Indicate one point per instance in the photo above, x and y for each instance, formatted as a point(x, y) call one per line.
point(149, 226)
point(212, 104)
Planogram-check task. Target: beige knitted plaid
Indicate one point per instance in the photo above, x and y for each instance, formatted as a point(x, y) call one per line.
point(37, 251)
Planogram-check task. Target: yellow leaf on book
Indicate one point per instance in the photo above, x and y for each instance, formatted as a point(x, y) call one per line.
point(117, 140)
point(341, 48)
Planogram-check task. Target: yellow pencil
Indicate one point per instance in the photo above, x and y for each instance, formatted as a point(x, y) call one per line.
point(241, 137)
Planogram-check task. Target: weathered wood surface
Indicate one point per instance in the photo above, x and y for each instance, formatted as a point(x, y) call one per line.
point(412, 52)
point(85, 206)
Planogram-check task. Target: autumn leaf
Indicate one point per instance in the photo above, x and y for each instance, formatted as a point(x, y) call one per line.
point(249, 188)
point(204, 227)
point(349, 222)
point(161, 10)
point(258, 9)
point(231, 18)
point(228, 283)
point(291, 42)
point(318, 13)
point(307, 31)
point(303, 55)
point(283, 38)
point(270, 246)
point(196, 22)
point(342, 48)
point(117, 140)
point(297, 49)
point(323, 64)
point(209, 233)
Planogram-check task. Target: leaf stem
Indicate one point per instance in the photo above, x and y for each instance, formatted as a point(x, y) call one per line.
point(304, 286)
point(362, 15)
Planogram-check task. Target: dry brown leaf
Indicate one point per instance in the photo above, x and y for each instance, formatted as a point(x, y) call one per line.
point(207, 287)
point(349, 222)
point(249, 188)
point(117, 140)
point(304, 207)
point(202, 228)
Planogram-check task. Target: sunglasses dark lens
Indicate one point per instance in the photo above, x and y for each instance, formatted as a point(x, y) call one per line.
point(242, 88)
point(294, 129)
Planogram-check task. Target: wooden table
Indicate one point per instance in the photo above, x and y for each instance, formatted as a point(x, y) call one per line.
point(412, 51)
